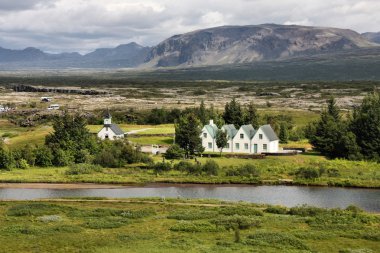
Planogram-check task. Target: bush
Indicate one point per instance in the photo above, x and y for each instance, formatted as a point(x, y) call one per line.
point(6, 159)
point(183, 166)
point(106, 159)
point(161, 167)
point(194, 226)
point(34, 209)
point(246, 170)
point(211, 168)
point(105, 223)
point(22, 164)
point(240, 210)
point(236, 221)
point(333, 173)
point(276, 210)
point(62, 158)
point(306, 211)
point(307, 173)
point(83, 168)
point(278, 240)
point(44, 157)
point(174, 152)
point(191, 215)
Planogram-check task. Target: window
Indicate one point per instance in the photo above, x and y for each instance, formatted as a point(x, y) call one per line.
point(209, 145)
point(204, 135)
point(241, 136)
point(260, 136)
point(265, 147)
point(237, 146)
point(228, 145)
point(246, 146)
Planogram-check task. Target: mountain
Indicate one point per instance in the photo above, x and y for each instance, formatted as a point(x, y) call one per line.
point(123, 56)
point(242, 44)
point(373, 37)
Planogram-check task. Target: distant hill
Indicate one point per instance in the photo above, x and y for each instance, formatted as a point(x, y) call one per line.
point(373, 37)
point(123, 56)
point(243, 44)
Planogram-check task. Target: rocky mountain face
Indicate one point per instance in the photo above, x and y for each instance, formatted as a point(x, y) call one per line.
point(373, 37)
point(214, 46)
point(242, 44)
point(128, 55)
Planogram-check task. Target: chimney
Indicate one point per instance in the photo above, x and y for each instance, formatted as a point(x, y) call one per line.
point(211, 122)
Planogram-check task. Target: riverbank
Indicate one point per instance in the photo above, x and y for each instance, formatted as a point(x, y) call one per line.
point(269, 171)
point(175, 225)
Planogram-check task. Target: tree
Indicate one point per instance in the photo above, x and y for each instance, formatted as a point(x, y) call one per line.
point(221, 140)
point(6, 159)
point(233, 113)
point(332, 108)
point(366, 126)
point(202, 113)
point(71, 135)
point(284, 134)
point(174, 152)
point(44, 156)
point(187, 134)
point(251, 116)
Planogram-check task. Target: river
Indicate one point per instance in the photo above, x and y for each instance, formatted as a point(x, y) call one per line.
point(330, 197)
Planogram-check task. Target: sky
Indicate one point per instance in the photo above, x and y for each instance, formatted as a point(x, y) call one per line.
point(84, 25)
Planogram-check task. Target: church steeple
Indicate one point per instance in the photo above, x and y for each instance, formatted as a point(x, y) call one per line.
point(107, 118)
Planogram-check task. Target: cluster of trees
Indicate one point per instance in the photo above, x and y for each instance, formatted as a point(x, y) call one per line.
point(354, 137)
point(71, 143)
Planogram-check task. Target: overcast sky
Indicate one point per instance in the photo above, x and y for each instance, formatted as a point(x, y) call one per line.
point(83, 25)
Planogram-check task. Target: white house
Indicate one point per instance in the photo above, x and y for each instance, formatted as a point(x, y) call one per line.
point(209, 136)
point(246, 140)
point(110, 131)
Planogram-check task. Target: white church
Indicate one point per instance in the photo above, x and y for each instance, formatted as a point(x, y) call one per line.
point(110, 131)
point(246, 140)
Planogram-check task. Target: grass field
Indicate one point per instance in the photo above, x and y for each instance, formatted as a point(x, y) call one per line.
point(174, 225)
point(272, 170)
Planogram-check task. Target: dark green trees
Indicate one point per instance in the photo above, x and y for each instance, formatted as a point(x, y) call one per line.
point(69, 139)
point(233, 113)
point(284, 134)
point(331, 135)
point(252, 116)
point(221, 140)
point(366, 126)
point(187, 134)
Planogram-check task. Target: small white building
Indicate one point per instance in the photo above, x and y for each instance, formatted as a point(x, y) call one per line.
point(110, 131)
point(246, 140)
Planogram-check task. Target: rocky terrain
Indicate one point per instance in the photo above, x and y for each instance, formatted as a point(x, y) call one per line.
point(209, 47)
point(243, 44)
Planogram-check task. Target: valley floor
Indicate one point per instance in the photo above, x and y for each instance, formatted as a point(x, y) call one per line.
point(173, 225)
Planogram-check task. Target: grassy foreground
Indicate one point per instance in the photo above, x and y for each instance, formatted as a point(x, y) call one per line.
point(272, 170)
point(173, 225)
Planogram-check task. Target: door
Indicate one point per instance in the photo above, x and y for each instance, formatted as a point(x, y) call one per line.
point(255, 148)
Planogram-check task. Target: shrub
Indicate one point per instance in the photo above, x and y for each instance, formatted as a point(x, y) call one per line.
point(174, 152)
point(211, 168)
point(34, 209)
point(240, 210)
point(49, 218)
point(105, 223)
point(191, 215)
point(137, 214)
point(62, 158)
point(236, 221)
point(276, 210)
point(44, 157)
point(307, 173)
point(245, 170)
point(161, 167)
point(83, 168)
point(278, 240)
point(306, 211)
point(6, 159)
point(183, 166)
point(333, 173)
point(106, 159)
point(22, 164)
point(194, 226)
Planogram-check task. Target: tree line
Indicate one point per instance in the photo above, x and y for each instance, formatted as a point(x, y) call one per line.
point(354, 137)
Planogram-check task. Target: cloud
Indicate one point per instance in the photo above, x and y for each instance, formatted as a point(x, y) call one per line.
point(83, 25)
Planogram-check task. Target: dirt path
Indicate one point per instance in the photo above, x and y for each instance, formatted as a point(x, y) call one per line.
point(137, 131)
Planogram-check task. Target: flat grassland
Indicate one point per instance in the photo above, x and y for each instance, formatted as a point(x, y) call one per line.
point(175, 225)
point(272, 170)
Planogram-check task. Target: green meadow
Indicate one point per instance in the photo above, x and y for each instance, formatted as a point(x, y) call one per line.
point(177, 225)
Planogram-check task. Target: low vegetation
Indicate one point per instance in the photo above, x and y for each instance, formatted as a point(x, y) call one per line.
point(174, 225)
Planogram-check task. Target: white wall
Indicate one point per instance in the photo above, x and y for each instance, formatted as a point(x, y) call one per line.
point(242, 142)
point(207, 140)
point(111, 135)
point(272, 147)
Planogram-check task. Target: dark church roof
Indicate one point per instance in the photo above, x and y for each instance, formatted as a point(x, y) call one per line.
point(115, 128)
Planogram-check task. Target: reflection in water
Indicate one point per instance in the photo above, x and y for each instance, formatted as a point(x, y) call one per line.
point(368, 199)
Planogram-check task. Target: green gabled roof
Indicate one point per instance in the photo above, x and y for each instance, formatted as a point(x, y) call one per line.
point(212, 130)
point(268, 131)
point(230, 130)
point(249, 130)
